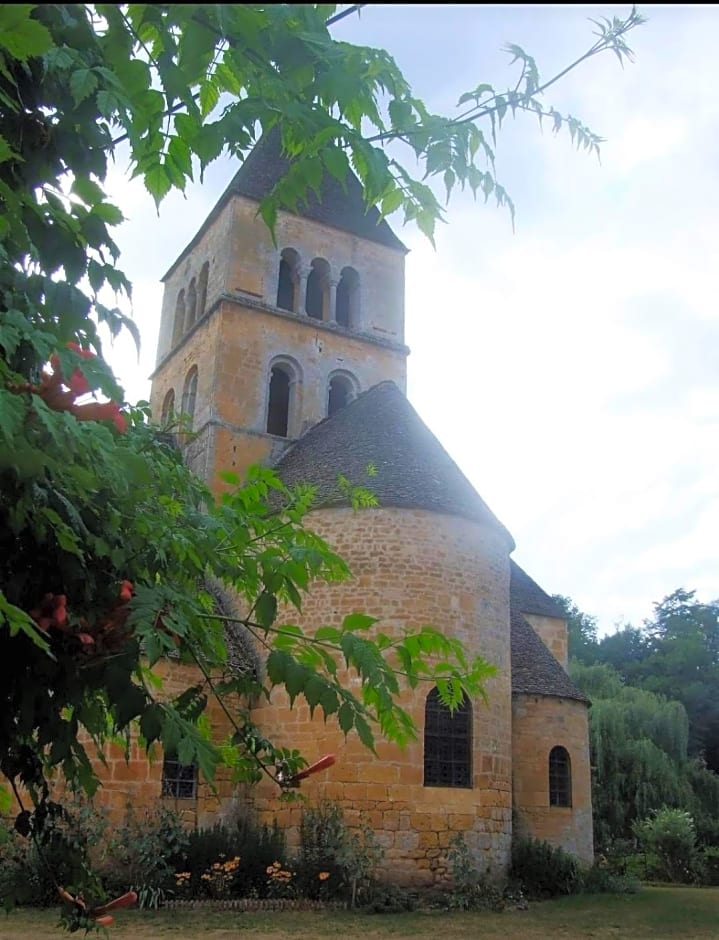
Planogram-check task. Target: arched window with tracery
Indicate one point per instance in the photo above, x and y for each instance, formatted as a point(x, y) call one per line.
point(560, 777)
point(347, 304)
point(279, 399)
point(168, 407)
point(289, 280)
point(340, 393)
point(189, 394)
point(191, 305)
point(202, 289)
point(447, 743)
point(178, 327)
point(317, 299)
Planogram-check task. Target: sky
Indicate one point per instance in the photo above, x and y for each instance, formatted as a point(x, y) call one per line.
point(570, 367)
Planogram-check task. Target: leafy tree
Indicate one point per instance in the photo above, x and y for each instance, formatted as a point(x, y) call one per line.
point(639, 754)
point(106, 539)
point(676, 654)
point(581, 630)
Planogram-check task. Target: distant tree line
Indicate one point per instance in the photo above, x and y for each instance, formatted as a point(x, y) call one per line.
point(654, 718)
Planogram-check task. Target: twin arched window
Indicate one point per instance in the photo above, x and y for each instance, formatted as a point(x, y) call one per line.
point(289, 280)
point(560, 777)
point(447, 743)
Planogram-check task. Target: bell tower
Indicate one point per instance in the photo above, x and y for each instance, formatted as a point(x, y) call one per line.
point(259, 342)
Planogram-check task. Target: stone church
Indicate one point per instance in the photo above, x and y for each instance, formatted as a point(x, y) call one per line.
point(293, 354)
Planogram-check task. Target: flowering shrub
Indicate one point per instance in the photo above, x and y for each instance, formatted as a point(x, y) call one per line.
point(280, 882)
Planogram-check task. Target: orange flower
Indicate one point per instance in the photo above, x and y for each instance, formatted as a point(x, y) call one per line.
point(323, 875)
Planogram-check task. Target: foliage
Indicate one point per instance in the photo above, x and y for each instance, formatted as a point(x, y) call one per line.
point(106, 539)
point(676, 654)
point(138, 854)
point(256, 847)
point(390, 899)
point(543, 870)
point(670, 835)
point(472, 890)
point(600, 879)
point(328, 847)
point(642, 741)
point(581, 630)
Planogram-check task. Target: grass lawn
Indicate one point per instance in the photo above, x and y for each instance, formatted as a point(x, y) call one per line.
point(653, 913)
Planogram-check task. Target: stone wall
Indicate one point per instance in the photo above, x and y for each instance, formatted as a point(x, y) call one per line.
point(540, 723)
point(553, 633)
point(413, 568)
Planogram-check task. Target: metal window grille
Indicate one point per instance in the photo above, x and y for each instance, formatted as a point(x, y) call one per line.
point(179, 780)
point(447, 744)
point(560, 777)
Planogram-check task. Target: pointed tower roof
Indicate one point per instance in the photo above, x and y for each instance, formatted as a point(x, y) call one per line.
point(413, 470)
point(336, 206)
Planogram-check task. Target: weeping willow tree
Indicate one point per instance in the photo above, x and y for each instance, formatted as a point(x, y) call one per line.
point(639, 742)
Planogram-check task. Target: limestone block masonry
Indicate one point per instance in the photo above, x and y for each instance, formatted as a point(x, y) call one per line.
point(414, 568)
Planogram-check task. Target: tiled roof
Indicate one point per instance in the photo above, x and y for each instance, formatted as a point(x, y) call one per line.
point(528, 597)
point(534, 670)
point(340, 208)
point(413, 470)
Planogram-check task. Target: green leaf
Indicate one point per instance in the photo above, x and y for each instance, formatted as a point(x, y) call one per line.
point(358, 622)
point(209, 96)
point(337, 163)
point(346, 717)
point(20, 35)
point(157, 182)
point(82, 84)
point(266, 609)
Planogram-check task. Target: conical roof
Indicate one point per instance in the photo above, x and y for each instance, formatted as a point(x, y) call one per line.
point(413, 470)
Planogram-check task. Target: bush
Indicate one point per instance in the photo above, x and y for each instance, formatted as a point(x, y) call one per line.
point(391, 899)
point(708, 866)
point(27, 874)
point(670, 835)
point(332, 861)
point(600, 879)
point(139, 855)
point(207, 866)
point(544, 871)
point(472, 890)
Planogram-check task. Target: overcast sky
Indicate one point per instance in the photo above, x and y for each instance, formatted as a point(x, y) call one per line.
point(571, 367)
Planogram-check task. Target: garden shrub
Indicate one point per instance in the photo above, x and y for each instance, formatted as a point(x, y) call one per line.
point(709, 865)
point(472, 890)
point(139, 855)
point(600, 879)
point(543, 870)
point(671, 836)
point(333, 861)
point(26, 873)
point(207, 866)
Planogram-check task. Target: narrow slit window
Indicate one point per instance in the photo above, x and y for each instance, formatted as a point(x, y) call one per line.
point(318, 288)
point(340, 394)
point(202, 289)
point(168, 407)
point(560, 777)
point(447, 743)
point(191, 305)
point(189, 394)
point(278, 409)
point(347, 304)
point(179, 324)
